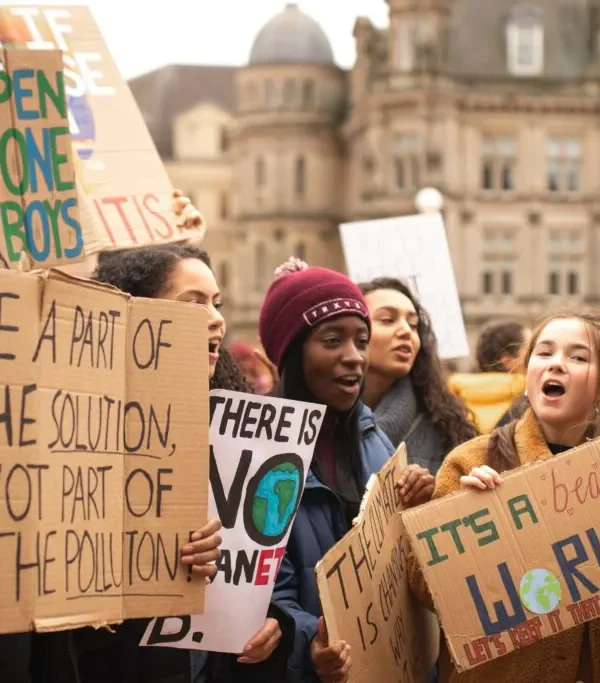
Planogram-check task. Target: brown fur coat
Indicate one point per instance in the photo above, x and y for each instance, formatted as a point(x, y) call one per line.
point(554, 660)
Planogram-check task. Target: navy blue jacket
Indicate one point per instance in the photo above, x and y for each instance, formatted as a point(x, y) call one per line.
point(320, 523)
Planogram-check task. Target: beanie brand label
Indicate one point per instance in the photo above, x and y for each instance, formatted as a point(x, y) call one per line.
point(327, 309)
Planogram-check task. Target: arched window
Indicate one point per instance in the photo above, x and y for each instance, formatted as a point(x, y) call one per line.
point(289, 93)
point(269, 94)
point(300, 173)
point(308, 94)
point(300, 251)
point(260, 266)
point(260, 175)
point(525, 41)
point(223, 275)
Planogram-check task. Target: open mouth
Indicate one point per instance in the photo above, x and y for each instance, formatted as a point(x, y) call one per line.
point(553, 389)
point(213, 347)
point(349, 381)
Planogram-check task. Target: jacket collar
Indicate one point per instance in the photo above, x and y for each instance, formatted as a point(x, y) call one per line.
point(366, 423)
point(530, 440)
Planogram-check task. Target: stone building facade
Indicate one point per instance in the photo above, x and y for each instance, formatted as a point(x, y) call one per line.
point(496, 104)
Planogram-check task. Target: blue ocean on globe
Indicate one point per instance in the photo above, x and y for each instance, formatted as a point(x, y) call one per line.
point(275, 499)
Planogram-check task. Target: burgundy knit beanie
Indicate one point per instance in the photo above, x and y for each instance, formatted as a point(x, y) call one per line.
point(300, 298)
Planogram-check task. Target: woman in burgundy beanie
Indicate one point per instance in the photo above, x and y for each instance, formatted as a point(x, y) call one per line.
point(314, 326)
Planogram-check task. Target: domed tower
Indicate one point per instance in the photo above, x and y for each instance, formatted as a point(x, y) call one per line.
point(288, 157)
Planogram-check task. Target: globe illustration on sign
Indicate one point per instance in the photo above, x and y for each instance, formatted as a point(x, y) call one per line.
point(83, 126)
point(540, 591)
point(274, 498)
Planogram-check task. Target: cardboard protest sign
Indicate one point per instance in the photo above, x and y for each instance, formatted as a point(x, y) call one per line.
point(103, 453)
point(522, 561)
point(39, 211)
point(413, 249)
point(261, 450)
point(128, 200)
point(366, 599)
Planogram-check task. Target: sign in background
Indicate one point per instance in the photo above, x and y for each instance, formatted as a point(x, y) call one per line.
point(127, 194)
point(364, 590)
point(413, 249)
point(39, 212)
point(103, 453)
point(521, 562)
point(260, 453)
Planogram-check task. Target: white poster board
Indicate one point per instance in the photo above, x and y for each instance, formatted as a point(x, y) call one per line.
point(260, 452)
point(413, 249)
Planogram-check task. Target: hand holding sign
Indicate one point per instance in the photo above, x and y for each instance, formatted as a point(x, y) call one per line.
point(203, 550)
point(416, 486)
point(332, 662)
point(264, 643)
point(481, 478)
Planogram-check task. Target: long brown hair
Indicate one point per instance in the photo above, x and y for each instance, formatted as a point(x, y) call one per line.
point(502, 451)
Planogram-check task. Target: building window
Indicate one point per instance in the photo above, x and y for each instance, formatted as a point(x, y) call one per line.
point(566, 251)
point(224, 205)
point(225, 139)
point(260, 173)
point(289, 93)
point(525, 41)
point(260, 267)
point(308, 94)
point(223, 275)
point(300, 251)
point(498, 163)
point(507, 287)
point(300, 179)
point(564, 160)
point(269, 94)
point(252, 95)
point(406, 159)
point(488, 282)
point(412, 32)
point(573, 283)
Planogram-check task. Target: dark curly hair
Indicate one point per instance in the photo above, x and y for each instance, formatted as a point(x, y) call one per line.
point(145, 272)
point(434, 399)
point(498, 340)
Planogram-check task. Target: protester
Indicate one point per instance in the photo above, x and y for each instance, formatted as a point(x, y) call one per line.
point(315, 327)
point(563, 392)
point(255, 370)
point(182, 273)
point(406, 389)
point(491, 393)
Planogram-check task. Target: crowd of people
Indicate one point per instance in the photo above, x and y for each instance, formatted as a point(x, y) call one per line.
point(369, 354)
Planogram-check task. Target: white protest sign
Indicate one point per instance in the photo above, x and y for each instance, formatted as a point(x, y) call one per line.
point(414, 249)
point(260, 452)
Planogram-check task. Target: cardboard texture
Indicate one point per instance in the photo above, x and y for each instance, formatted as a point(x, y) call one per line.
point(257, 477)
point(39, 209)
point(125, 192)
point(509, 567)
point(364, 591)
point(103, 453)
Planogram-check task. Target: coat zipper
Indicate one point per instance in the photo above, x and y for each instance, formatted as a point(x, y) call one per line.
point(73, 656)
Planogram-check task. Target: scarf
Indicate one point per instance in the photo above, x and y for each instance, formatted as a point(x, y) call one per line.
point(398, 416)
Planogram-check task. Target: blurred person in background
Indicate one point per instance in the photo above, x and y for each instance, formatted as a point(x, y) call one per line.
point(406, 388)
point(254, 367)
point(493, 394)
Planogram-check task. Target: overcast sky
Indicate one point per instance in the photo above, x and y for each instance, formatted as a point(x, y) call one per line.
point(143, 35)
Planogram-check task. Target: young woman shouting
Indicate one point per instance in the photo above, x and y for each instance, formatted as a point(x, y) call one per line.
point(563, 391)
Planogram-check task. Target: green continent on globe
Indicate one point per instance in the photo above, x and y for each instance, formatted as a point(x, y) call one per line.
point(259, 512)
point(540, 591)
point(286, 467)
point(285, 491)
